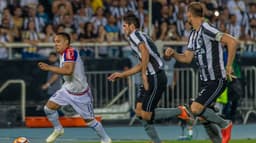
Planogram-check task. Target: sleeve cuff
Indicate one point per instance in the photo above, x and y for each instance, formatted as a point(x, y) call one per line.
point(219, 36)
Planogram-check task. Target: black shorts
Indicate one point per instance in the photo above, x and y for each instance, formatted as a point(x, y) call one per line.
point(210, 91)
point(151, 97)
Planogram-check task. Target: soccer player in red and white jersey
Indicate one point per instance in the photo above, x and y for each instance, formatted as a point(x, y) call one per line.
point(74, 91)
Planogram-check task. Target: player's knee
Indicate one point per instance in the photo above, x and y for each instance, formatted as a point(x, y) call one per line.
point(52, 105)
point(88, 120)
point(196, 111)
point(138, 112)
point(92, 122)
point(146, 117)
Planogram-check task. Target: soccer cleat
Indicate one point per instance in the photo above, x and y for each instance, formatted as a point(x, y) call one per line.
point(226, 133)
point(185, 115)
point(55, 134)
point(108, 140)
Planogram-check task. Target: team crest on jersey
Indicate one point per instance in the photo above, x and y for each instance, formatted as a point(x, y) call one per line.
point(200, 41)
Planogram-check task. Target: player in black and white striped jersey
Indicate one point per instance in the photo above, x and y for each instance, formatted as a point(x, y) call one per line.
point(152, 74)
point(153, 78)
point(205, 46)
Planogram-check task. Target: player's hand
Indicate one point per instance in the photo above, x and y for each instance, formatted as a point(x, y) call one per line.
point(45, 86)
point(115, 76)
point(229, 71)
point(173, 85)
point(169, 52)
point(43, 66)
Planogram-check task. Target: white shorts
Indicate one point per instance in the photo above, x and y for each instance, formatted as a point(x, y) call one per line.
point(82, 104)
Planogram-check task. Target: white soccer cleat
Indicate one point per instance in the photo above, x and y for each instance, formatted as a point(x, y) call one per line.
point(108, 140)
point(55, 134)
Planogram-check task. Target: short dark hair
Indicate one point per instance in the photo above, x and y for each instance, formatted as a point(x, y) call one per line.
point(65, 36)
point(131, 18)
point(196, 8)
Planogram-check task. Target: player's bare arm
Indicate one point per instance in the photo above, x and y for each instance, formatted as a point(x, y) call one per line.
point(231, 43)
point(53, 78)
point(144, 64)
point(66, 69)
point(185, 57)
point(126, 73)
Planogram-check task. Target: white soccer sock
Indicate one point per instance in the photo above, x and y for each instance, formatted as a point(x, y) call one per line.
point(97, 126)
point(53, 117)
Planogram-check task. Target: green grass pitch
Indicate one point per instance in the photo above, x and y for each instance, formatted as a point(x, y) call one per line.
point(193, 141)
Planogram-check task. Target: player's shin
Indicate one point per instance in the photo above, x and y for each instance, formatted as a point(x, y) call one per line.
point(150, 130)
point(213, 132)
point(165, 113)
point(211, 116)
point(98, 128)
point(53, 117)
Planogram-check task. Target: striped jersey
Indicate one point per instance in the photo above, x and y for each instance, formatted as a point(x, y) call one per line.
point(77, 82)
point(155, 61)
point(208, 52)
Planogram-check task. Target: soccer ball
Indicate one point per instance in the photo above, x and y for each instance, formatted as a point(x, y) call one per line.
point(21, 140)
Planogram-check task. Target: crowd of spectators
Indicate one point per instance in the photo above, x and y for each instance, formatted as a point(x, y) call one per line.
point(34, 21)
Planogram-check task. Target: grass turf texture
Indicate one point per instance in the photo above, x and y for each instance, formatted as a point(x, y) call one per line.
point(193, 141)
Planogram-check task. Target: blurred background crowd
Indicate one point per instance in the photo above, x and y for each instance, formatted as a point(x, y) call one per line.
point(35, 21)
